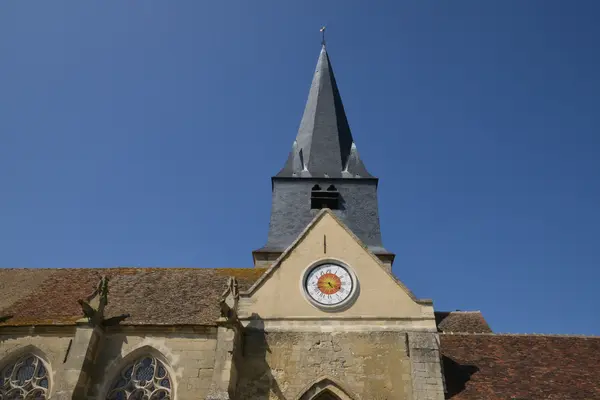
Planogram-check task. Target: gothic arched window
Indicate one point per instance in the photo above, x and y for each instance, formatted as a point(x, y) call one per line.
point(144, 379)
point(24, 379)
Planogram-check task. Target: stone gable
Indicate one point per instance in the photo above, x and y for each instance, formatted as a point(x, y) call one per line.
point(279, 294)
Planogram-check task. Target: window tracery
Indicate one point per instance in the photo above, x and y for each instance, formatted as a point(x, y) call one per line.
point(145, 379)
point(24, 379)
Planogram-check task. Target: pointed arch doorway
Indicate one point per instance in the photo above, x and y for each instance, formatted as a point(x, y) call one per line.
point(326, 395)
point(325, 389)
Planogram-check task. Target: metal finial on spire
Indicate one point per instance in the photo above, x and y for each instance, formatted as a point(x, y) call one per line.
point(322, 30)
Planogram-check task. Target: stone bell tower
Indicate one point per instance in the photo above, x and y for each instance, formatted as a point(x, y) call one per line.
point(323, 170)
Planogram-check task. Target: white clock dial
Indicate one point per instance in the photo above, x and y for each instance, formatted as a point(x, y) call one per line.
point(329, 284)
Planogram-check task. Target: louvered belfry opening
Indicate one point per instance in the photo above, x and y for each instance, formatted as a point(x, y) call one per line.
point(320, 198)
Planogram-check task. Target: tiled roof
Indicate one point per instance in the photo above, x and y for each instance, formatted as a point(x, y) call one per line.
point(461, 321)
point(527, 367)
point(152, 296)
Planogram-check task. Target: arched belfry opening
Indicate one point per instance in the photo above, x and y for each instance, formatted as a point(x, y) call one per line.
point(320, 198)
point(325, 389)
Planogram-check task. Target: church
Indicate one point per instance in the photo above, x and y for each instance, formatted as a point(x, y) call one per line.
point(320, 315)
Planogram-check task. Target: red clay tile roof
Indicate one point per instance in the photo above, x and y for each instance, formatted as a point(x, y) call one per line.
point(152, 296)
point(461, 321)
point(528, 367)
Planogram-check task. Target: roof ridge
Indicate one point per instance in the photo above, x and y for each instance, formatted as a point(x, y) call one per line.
point(113, 268)
point(461, 311)
point(566, 335)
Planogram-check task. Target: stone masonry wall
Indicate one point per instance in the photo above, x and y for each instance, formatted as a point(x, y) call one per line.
point(190, 357)
point(375, 365)
point(279, 365)
point(426, 366)
point(52, 346)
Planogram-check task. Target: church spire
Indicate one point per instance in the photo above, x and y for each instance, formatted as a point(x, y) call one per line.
point(324, 146)
point(323, 170)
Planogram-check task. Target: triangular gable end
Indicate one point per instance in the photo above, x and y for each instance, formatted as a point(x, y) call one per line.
point(302, 236)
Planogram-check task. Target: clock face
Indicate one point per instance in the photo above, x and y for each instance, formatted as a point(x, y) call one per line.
point(329, 284)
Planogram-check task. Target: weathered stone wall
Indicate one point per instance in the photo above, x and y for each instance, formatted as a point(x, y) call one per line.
point(426, 366)
point(51, 346)
point(280, 365)
point(190, 356)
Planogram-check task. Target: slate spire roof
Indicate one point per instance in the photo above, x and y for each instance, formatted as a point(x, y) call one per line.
point(324, 146)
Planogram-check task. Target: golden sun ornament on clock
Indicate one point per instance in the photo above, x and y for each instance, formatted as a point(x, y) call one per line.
point(329, 285)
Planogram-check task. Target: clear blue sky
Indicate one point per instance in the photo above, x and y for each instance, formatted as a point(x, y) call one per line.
point(145, 133)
